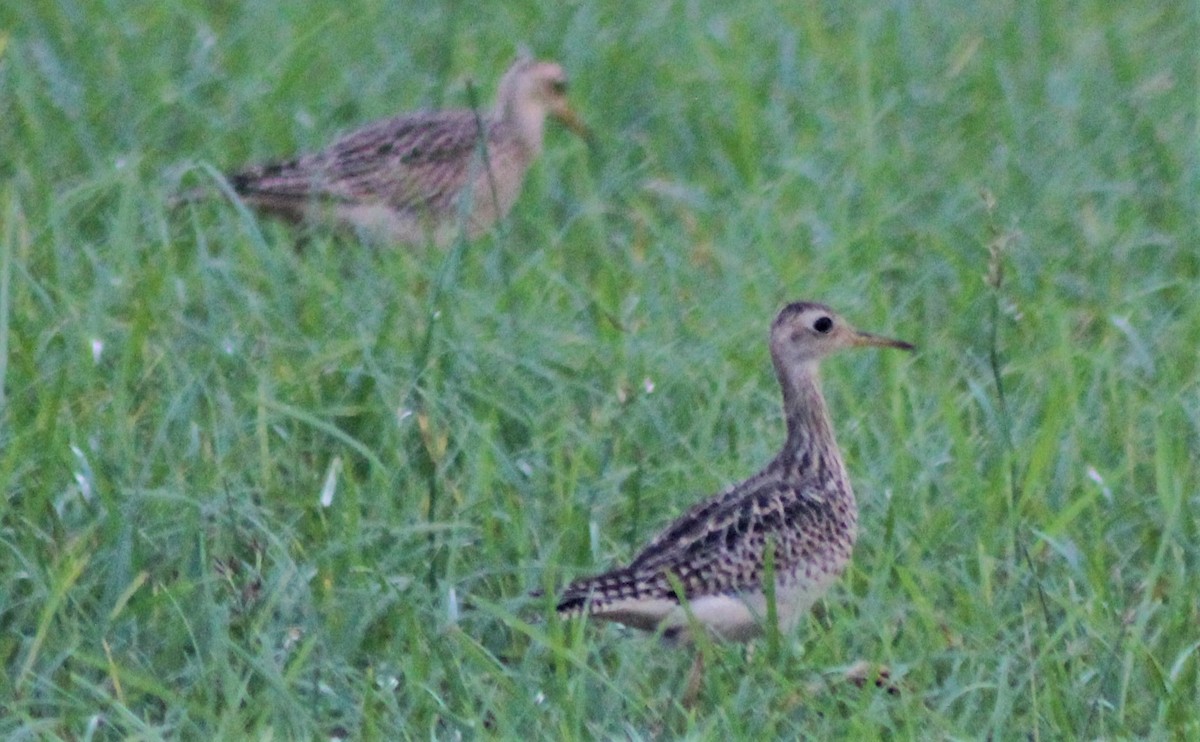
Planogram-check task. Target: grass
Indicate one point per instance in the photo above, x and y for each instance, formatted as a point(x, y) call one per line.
point(251, 491)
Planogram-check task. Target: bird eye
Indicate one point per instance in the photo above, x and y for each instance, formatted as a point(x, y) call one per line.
point(558, 87)
point(823, 325)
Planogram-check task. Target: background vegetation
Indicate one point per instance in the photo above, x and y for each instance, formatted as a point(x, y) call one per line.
point(257, 491)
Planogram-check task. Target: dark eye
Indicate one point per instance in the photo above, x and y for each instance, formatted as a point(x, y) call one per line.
point(823, 325)
point(558, 87)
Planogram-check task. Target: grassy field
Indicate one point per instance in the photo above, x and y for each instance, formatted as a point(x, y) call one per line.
point(250, 491)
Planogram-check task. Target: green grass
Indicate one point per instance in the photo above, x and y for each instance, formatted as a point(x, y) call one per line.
point(180, 389)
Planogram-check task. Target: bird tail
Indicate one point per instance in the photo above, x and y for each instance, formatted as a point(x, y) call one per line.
point(583, 595)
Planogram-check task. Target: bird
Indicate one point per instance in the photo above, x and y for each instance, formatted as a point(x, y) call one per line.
point(421, 177)
point(707, 569)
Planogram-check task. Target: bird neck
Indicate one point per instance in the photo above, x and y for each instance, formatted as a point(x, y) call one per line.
point(809, 428)
point(529, 122)
point(811, 453)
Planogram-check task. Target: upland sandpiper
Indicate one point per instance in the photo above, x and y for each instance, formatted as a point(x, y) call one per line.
point(708, 568)
point(419, 177)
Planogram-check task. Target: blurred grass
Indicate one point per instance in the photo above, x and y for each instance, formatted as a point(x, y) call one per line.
point(182, 389)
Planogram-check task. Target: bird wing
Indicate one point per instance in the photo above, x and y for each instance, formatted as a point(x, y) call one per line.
point(718, 546)
point(415, 162)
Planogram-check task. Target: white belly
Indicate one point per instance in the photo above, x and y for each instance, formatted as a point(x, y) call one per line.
point(727, 617)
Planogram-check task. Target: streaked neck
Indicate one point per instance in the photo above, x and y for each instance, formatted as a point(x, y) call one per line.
point(810, 437)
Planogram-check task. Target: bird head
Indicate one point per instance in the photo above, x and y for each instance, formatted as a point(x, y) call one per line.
point(804, 332)
point(532, 90)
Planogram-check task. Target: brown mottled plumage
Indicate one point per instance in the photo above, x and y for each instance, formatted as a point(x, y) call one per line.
point(417, 177)
point(715, 554)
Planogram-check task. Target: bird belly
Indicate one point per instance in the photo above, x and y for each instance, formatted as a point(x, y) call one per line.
point(382, 222)
point(726, 617)
point(741, 617)
point(795, 597)
point(494, 190)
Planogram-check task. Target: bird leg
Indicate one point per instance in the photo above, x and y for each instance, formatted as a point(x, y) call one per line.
point(695, 677)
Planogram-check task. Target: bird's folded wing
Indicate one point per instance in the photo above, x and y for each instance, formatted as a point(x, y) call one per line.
point(412, 162)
